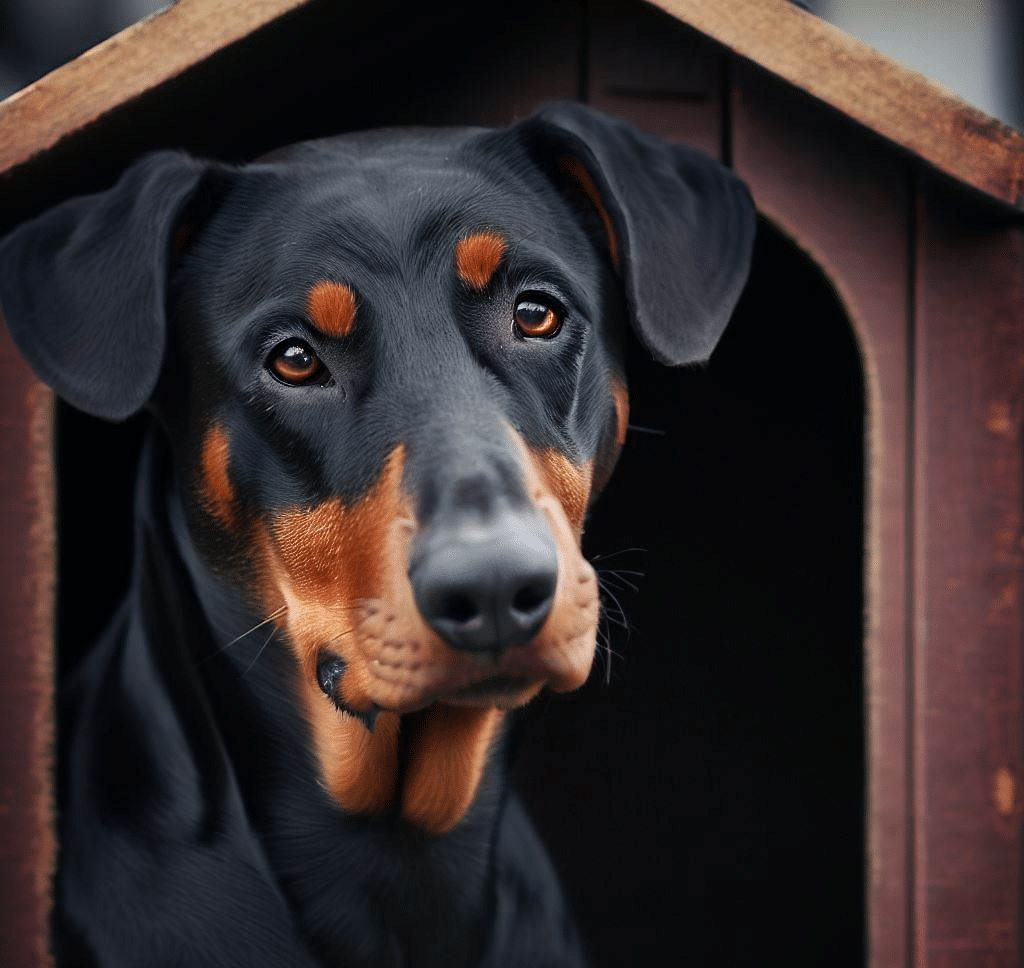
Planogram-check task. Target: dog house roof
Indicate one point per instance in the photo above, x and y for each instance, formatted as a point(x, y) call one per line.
point(904, 107)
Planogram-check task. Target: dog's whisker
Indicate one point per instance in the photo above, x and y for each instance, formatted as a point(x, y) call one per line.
point(270, 618)
point(238, 638)
point(256, 658)
point(604, 651)
point(615, 554)
point(607, 653)
point(610, 579)
point(616, 615)
point(617, 620)
point(612, 615)
point(617, 578)
point(610, 651)
point(653, 431)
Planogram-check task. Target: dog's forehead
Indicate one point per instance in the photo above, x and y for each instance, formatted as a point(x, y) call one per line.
point(399, 181)
point(368, 209)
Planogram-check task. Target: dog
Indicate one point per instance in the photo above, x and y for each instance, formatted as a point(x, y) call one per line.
point(385, 380)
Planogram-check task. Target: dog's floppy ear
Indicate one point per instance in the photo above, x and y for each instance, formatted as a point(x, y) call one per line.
point(680, 225)
point(82, 286)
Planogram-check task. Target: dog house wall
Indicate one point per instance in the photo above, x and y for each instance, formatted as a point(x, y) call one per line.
point(926, 257)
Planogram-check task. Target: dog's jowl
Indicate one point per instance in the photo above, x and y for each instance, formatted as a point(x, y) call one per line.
point(385, 387)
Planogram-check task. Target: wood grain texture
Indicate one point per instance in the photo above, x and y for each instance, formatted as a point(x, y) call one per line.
point(124, 67)
point(27, 572)
point(843, 198)
point(665, 77)
point(969, 801)
point(905, 107)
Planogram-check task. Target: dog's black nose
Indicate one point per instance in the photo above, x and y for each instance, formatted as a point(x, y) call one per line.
point(486, 586)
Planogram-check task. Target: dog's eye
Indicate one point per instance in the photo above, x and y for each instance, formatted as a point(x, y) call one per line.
point(294, 363)
point(535, 318)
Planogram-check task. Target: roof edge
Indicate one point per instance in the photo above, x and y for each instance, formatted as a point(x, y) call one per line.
point(904, 107)
point(136, 60)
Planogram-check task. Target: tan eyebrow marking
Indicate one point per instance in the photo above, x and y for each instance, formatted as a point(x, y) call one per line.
point(332, 308)
point(477, 256)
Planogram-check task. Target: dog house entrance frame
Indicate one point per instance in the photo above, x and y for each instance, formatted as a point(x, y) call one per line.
point(908, 199)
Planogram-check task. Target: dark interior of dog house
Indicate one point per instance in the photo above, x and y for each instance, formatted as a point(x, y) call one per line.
point(711, 796)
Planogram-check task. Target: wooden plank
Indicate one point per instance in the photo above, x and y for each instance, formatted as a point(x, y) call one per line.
point(968, 589)
point(844, 200)
point(135, 61)
point(660, 74)
point(487, 77)
point(27, 571)
point(907, 108)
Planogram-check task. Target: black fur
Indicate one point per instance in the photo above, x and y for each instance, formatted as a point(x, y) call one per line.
point(195, 828)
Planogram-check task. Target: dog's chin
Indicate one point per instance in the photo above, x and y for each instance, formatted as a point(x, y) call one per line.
point(493, 692)
point(500, 692)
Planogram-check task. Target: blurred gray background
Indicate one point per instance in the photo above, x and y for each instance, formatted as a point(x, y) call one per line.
point(38, 35)
point(973, 47)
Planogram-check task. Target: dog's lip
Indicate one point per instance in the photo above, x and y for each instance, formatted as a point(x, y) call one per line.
point(496, 688)
point(492, 691)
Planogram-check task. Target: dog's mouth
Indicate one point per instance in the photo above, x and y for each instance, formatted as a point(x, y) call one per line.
point(494, 691)
point(427, 756)
point(480, 689)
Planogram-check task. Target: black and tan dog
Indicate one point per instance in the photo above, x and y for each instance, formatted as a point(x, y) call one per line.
point(386, 386)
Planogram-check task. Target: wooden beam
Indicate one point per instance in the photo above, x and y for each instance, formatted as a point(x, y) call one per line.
point(901, 105)
point(124, 67)
point(968, 756)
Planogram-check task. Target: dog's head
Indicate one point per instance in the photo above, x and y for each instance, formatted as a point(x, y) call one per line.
point(389, 367)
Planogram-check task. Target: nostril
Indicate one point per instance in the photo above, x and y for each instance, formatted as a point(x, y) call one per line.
point(458, 608)
point(532, 597)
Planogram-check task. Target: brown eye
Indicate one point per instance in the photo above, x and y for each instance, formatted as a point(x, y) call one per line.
point(295, 364)
point(535, 319)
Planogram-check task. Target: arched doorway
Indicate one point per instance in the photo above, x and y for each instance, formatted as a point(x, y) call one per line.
point(708, 797)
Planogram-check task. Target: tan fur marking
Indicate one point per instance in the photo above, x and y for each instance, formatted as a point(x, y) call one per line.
point(569, 483)
point(360, 767)
point(321, 561)
point(620, 395)
point(447, 757)
point(568, 638)
point(477, 257)
point(335, 553)
point(332, 308)
point(575, 170)
point(216, 492)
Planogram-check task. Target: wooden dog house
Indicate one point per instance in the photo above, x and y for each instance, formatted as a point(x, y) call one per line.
point(811, 744)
